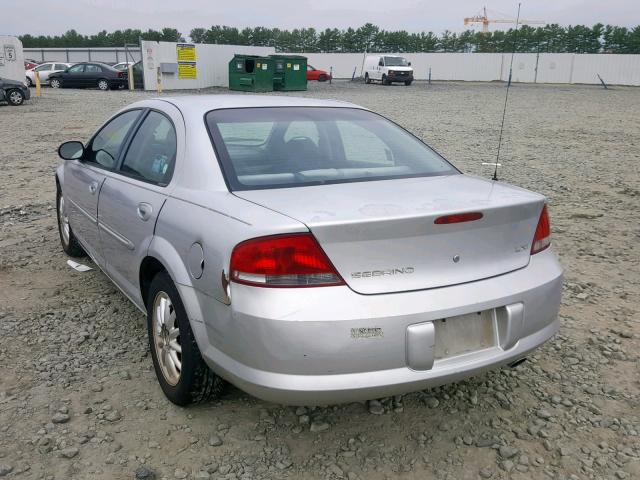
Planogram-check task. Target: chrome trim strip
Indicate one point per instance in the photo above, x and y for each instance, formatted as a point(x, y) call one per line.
point(83, 211)
point(124, 240)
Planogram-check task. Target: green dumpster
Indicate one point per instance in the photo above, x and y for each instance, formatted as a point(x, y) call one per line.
point(290, 72)
point(251, 73)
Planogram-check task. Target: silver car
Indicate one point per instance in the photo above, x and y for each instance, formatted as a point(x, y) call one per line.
point(307, 251)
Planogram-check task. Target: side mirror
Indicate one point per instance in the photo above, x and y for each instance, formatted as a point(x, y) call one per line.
point(71, 150)
point(409, 64)
point(381, 63)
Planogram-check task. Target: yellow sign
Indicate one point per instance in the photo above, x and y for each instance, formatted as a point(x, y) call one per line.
point(187, 70)
point(186, 52)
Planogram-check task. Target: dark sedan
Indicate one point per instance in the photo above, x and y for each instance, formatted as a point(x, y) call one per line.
point(12, 92)
point(89, 74)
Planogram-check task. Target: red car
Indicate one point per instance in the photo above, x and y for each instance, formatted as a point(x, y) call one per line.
point(29, 64)
point(319, 75)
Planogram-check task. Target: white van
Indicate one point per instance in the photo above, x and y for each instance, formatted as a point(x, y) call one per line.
point(387, 69)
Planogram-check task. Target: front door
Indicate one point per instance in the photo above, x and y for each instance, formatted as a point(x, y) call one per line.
point(82, 185)
point(132, 198)
point(73, 76)
point(84, 178)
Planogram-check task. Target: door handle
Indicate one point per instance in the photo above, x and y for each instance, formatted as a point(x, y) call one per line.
point(144, 211)
point(93, 187)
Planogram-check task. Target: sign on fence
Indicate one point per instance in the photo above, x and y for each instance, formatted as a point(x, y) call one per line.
point(186, 52)
point(187, 70)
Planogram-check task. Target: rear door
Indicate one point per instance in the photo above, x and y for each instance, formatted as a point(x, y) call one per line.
point(83, 180)
point(132, 198)
point(92, 73)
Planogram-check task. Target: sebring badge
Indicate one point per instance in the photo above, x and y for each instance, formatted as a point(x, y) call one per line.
point(383, 273)
point(456, 258)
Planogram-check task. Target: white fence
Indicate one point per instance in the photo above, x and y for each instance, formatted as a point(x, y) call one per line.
point(483, 67)
point(92, 54)
point(11, 58)
point(211, 64)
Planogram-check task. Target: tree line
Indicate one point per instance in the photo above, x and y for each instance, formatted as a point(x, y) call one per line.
point(551, 38)
point(118, 38)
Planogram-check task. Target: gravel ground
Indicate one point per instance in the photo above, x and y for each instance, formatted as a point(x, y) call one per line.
point(78, 395)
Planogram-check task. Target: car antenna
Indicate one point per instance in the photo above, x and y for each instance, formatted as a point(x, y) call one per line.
point(506, 97)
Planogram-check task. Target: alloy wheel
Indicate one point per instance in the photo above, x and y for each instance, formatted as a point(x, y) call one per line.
point(15, 97)
point(55, 83)
point(167, 338)
point(63, 219)
point(103, 85)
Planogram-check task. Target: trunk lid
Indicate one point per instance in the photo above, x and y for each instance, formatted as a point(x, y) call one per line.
point(381, 235)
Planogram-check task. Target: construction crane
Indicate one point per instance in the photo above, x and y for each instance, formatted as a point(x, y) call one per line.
point(485, 20)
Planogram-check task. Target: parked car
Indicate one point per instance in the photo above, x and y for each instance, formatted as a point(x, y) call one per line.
point(29, 64)
point(138, 76)
point(122, 66)
point(387, 69)
point(396, 273)
point(89, 74)
point(316, 74)
point(13, 92)
point(44, 70)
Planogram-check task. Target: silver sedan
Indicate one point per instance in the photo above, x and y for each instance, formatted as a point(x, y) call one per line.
point(307, 251)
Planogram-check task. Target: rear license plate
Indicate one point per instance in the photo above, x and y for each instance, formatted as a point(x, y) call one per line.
point(464, 334)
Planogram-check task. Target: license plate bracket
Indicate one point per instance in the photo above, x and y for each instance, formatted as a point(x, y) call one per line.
point(464, 334)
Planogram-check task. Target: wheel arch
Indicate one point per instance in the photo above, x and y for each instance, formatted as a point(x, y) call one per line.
point(161, 256)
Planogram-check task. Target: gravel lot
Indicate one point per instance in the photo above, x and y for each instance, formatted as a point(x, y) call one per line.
point(78, 395)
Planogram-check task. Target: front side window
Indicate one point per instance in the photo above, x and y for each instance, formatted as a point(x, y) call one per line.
point(77, 69)
point(296, 146)
point(105, 146)
point(43, 68)
point(152, 153)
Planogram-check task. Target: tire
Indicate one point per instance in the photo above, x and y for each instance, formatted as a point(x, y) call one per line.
point(103, 84)
point(15, 97)
point(322, 78)
point(407, 82)
point(68, 240)
point(171, 337)
point(29, 82)
point(55, 83)
point(385, 81)
point(366, 78)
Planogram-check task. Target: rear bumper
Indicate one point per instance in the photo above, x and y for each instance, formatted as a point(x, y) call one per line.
point(296, 346)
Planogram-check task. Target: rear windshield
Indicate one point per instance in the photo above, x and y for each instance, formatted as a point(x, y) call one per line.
point(280, 147)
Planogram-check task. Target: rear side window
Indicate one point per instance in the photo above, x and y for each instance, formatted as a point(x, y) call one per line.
point(43, 68)
point(93, 68)
point(277, 147)
point(60, 66)
point(105, 146)
point(152, 153)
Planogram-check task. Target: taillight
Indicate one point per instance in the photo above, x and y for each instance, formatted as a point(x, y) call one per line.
point(120, 74)
point(295, 260)
point(542, 238)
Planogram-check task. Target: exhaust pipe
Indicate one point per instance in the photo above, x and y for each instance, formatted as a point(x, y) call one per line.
point(518, 362)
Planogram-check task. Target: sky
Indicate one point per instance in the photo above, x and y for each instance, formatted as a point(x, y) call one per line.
point(46, 17)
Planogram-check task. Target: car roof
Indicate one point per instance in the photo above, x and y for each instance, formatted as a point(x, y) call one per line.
point(201, 104)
